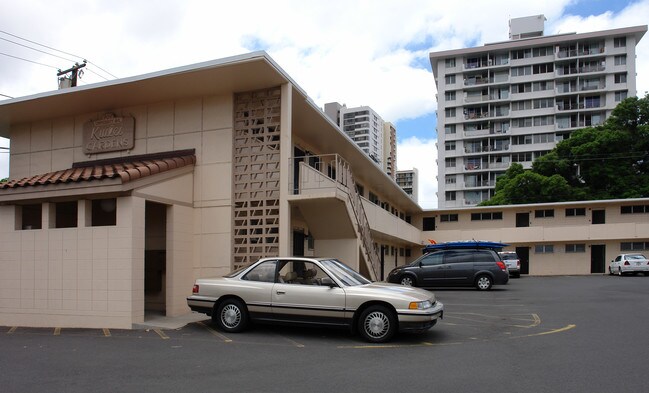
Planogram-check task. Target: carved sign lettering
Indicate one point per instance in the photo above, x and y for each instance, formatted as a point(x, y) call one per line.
point(110, 133)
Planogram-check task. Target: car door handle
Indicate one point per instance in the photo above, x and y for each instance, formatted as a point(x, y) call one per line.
point(280, 292)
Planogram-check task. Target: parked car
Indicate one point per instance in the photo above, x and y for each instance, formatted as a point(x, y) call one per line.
point(512, 261)
point(629, 263)
point(313, 291)
point(473, 263)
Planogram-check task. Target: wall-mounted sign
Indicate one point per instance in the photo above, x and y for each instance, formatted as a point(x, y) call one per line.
point(109, 133)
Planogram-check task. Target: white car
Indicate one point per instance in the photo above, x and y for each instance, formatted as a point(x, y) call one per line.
point(512, 261)
point(314, 291)
point(629, 263)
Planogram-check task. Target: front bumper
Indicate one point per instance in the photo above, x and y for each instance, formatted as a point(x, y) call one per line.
point(420, 320)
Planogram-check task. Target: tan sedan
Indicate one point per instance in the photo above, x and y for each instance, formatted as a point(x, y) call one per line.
point(314, 291)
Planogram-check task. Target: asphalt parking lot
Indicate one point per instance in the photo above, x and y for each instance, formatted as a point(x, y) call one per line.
point(536, 334)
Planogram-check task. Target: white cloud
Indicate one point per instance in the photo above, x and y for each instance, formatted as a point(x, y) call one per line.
point(355, 52)
point(421, 154)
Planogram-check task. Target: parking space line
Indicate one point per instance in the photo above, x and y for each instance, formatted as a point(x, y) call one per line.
point(106, 332)
point(13, 329)
point(214, 332)
point(57, 331)
point(388, 346)
point(161, 334)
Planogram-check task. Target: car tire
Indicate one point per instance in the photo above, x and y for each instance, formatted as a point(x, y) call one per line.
point(483, 282)
point(408, 281)
point(231, 316)
point(610, 271)
point(377, 324)
point(619, 271)
point(517, 275)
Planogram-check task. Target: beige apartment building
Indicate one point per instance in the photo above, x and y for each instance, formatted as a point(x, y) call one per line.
point(124, 192)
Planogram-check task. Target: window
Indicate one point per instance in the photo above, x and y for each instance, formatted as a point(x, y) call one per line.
point(634, 246)
point(264, 272)
point(522, 157)
point(429, 223)
point(570, 248)
point(620, 60)
point(450, 79)
point(450, 179)
point(486, 216)
point(450, 129)
point(31, 216)
point(449, 162)
point(522, 122)
point(634, 209)
point(448, 218)
point(521, 105)
point(620, 95)
point(373, 198)
point(620, 78)
point(544, 249)
point(449, 112)
point(522, 54)
point(543, 103)
point(449, 146)
point(66, 214)
point(543, 85)
point(543, 121)
point(619, 42)
point(434, 258)
point(520, 71)
point(294, 272)
point(449, 96)
point(450, 195)
point(574, 212)
point(449, 63)
point(522, 88)
point(543, 51)
point(543, 68)
point(544, 213)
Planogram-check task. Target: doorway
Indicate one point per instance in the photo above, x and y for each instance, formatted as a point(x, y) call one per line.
point(155, 258)
point(522, 220)
point(524, 257)
point(298, 243)
point(597, 258)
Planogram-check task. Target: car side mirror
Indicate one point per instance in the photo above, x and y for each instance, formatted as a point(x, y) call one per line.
point(326, 281)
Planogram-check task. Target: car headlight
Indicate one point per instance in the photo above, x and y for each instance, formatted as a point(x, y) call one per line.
point(420, 305)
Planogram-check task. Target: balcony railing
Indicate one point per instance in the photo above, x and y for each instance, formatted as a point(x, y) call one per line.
point(331, 171)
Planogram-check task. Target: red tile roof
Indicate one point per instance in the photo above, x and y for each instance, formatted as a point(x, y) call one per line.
point(136, 168)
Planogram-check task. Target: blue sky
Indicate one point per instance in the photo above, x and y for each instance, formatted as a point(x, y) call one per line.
point(349, 51)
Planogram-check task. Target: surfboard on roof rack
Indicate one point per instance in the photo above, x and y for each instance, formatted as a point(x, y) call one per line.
point(465, 244)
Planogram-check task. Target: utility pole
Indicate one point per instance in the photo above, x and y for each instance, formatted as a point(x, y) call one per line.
point(72, 80)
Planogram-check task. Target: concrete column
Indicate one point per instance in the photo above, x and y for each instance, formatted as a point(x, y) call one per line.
point(286, 152)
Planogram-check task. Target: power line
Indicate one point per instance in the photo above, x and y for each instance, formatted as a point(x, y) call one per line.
point(54, 49)
point(31, 61)
point(37, 50)
point(4, 95)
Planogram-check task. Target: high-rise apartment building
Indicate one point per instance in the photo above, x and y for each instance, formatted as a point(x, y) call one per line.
point(512, 101)
point(364, 126)
point(408, 180)
point(390, 149)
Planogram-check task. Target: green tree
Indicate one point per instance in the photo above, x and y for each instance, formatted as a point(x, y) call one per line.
point(610, 161)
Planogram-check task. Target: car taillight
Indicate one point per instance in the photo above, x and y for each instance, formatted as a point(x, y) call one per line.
point(626, 263)
point(195, 289)
point(518, 264)
point(501, 265)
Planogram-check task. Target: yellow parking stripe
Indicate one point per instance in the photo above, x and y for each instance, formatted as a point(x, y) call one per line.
point(57, 331)
point(13, 329)
point(106, 332)
point(161, 334)
point(214, 332)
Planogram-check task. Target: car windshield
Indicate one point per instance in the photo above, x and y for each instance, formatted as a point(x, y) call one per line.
point(344, 273)
point(508, 257)
point(635, 257)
